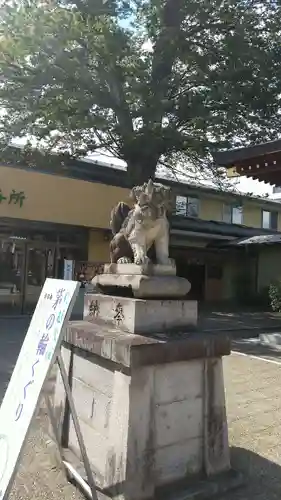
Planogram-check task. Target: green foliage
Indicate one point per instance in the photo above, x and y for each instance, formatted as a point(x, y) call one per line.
point(275, 296)
point(76, 75)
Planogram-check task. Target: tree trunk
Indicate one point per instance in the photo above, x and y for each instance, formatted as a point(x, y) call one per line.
point(141, 155)
point(139, 172)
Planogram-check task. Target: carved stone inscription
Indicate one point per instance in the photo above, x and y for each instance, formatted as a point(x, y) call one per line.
point(119, 314)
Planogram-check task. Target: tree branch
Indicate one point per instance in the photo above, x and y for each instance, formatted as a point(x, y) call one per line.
point(165, 51)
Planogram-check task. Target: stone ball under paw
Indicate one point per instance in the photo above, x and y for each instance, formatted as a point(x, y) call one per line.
point(124, 260)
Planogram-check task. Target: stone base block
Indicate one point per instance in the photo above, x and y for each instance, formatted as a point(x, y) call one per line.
point(151, 411)
point(139, 315)
point(142, 286)
point(214, 487)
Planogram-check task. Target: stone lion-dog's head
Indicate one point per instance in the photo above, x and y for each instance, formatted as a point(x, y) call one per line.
point(151, 201)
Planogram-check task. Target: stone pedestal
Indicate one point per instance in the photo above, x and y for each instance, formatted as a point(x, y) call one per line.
point(150, 281)
point(141, 315)
point(151, 410)
point(149, 393)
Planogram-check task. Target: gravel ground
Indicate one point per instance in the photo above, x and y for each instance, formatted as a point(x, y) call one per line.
point(40, 475)
point(254, 416)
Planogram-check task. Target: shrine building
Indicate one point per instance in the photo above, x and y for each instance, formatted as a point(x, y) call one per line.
point(55, 222)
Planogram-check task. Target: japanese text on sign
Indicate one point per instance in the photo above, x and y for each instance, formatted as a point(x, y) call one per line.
point(61, 299)
point(13, 198)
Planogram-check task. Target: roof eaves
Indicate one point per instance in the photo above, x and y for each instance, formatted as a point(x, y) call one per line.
point(229, 157)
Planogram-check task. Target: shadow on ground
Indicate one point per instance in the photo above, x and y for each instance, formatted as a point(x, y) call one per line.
point(12, 333)
point(262, 476)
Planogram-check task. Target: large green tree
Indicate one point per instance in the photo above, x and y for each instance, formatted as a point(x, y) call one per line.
point(147, 80)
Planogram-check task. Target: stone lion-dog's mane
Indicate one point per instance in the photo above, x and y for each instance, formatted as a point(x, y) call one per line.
point(151, 194)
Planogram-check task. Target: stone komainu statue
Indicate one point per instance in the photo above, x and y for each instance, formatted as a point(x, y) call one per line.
point(136, 230)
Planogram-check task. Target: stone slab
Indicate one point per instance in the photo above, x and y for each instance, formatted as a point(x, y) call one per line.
point(148, 269)
point(141, 315)
point(132, 351)
point(179, 421)
point(170, 384)
point(272, 340)
point(142, 286)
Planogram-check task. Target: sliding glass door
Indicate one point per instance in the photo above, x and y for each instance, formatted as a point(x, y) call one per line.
point(12, 260)
point(40, 264)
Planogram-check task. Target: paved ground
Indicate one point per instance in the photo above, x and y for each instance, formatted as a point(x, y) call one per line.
point(254, 415)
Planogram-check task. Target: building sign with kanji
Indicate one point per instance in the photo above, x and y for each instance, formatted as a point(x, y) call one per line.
point(12, 198)
point(38, 352)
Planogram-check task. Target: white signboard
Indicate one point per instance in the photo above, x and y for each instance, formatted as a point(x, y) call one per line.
point(68, 269)
point(36, 357)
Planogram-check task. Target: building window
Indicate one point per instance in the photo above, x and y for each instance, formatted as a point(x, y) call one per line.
point(269, 219)
point(233, 214)
point(187, 206)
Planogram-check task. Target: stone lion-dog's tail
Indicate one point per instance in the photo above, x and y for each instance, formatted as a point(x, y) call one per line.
point(118, 216)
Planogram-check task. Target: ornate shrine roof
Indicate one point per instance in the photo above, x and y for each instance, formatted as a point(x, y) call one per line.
point(261, 162)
